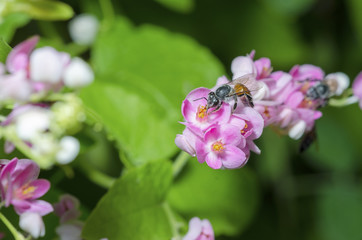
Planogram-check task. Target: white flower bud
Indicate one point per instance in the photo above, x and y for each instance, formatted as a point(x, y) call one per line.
point(47, 64)
point(78, 74)
point(32, 223)
point(262, 91)
point(69, 149)
point(32, 123)
point(341, 81)
point(83, 29)
point(242, 65)
point(69, 231)
point(297, 130)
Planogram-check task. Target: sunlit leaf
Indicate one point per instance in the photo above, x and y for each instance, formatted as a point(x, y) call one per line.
point(4, 50)
point(178, 5)
point(133, 207)
point(10, 23)
point(228, 198)
point(42, 9)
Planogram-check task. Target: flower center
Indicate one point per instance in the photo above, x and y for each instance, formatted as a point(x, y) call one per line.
point(201, 113)
point(26, 191)
point(218, 146)
point(242, 131)
point(266, 112)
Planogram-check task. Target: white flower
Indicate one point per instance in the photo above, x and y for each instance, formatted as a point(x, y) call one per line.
point(78, 74)
point(83, 29)
point(297, 130)
point(69, 231)
point(47, 65)
point(32, 123)
point(69, 149)
point(32, 223)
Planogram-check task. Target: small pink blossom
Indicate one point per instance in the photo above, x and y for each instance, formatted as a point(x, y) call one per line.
point(67, 209)
point(220, 147)
point(357, 88)
point(20, 187)
point(199, 230)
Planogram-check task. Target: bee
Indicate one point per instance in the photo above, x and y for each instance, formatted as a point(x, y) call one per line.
point(230, 92)
point(320, 92)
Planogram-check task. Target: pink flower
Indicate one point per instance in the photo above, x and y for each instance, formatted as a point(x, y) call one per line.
point(198, 118)
point(186, 141)
point(20, 187)
point(199, 230)
point(67, 208)
point(220, 147)
point(306, 72)
point(357, 88)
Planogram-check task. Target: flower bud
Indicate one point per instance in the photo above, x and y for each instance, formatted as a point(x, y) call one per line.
point(32, 223)
point(340, 82)
point(83, 29)
point(242, 65)
point(32, 123)
point(69, 149)
point(296, 131)
point(78, 74)
point(47, 64)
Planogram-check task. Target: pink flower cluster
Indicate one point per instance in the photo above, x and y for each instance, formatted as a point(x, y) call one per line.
point(290, 100)
point(223, 135)
point(20, 187)
point(39, 72)
point(221, 138)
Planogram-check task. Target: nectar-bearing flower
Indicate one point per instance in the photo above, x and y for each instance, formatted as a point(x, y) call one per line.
point(20, 187)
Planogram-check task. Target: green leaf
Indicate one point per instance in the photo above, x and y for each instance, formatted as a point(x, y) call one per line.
point(339, 211)
point(42, 9)
point(133, 207)
point(10, 23)
point(178, 5)
point(172, 63)
point(144, 128)
point(228, 198)
point(291, 7)
point(4, 50)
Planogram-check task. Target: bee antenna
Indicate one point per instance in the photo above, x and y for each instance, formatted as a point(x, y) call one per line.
point(200, 98)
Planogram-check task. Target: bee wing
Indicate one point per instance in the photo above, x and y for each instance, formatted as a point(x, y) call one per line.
point(248, 80)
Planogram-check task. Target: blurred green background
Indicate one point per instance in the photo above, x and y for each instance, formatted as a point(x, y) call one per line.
point(280, 194)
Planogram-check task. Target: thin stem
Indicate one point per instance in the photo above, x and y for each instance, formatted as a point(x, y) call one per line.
point(179, 163)
point(343, 102)
point(108, 13)
point(175, 225)
point(12, 229)
point(97, 176)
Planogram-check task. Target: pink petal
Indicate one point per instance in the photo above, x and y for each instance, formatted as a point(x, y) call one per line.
point(357, 87)
point(253, 147)
point(19, 57)
point(25, 171)
point(41, 185)
point(8, 147)
point(195, 229)
point(213, 160)
point(233, 157)
point(201, 150)
point(198, 93)
point(38, 206)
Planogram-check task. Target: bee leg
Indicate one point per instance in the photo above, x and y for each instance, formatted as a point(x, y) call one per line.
point(250, 100)
point(235, 98)
point(217, 108)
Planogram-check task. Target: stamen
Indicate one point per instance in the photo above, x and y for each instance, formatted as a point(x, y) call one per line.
point(218, 146)
point(245, 127)
point(201, 113)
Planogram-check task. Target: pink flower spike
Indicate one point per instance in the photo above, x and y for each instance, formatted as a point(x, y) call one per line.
point(199, 230)
point(357, 88)
point(18, 58)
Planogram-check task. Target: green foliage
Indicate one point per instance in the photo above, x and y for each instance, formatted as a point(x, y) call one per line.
point(339, 211)
point(140, 87)
point(10, 23)
point(178, 5)
point(228, 198)
point(4, 50)
point(41, 9)
point(134, 207)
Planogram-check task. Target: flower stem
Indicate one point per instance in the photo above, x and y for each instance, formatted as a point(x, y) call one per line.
point(175, 225)
point(97, 176)
point(108, 13)
point(12, 229)
point(343, 102)
point(179, 163)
